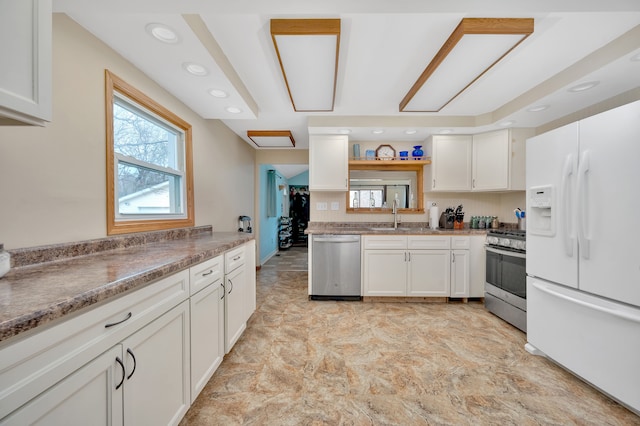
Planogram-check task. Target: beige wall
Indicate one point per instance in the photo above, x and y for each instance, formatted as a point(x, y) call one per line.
point(52, 178)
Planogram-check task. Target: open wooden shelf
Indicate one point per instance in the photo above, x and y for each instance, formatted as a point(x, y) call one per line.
point(395, 162)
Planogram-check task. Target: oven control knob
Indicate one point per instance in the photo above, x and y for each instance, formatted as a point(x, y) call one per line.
point(505, 242)
point(492, 240)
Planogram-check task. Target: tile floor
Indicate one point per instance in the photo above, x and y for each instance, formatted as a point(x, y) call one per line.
point(304, 362)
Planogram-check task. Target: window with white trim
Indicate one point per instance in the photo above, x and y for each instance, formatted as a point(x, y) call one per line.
point(149, 163)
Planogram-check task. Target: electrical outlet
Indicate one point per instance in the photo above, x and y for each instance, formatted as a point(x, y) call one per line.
point(335, 205)
point(321, 206)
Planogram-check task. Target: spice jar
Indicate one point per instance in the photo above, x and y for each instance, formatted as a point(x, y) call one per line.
point(5, 261)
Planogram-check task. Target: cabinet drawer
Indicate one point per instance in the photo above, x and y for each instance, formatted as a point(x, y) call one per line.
point(460, 243)
point(37, 362)
point(384, 242)
point(205, 273)
point(233, 259)
point(431, 242)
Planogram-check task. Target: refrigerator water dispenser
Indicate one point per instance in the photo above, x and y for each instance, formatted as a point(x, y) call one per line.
point(541, 214)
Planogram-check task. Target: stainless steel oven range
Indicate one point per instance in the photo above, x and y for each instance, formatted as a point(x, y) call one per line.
point(506, 279)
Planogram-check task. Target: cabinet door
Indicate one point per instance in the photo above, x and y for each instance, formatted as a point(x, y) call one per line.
point(385, 272)
point(156, 390)
point(328, 162)
point(25, 46)
point(451, 163)
point(86, 397)
point(250, 254)
point(459, 273)
point(235, 305)
point(429, 273)
point(491, 155)
point(207, 335)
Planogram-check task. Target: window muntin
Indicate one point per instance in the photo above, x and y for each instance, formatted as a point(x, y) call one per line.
point(150, 179)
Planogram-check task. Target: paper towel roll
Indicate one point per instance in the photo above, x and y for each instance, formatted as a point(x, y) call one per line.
point(434, 216)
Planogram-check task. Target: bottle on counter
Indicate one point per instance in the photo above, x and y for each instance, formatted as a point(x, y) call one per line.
point(5, 261)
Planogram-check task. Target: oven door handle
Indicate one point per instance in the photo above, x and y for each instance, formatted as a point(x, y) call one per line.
point(506, 253)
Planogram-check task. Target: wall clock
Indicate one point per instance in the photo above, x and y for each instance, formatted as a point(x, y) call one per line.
point(385, 152)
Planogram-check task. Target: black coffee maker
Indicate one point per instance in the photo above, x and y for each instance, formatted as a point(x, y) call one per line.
point(244, 224)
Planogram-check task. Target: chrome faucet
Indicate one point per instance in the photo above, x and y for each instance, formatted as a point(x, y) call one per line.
point(394, 210)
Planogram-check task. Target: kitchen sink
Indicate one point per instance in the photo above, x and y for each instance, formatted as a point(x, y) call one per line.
point(391, 229)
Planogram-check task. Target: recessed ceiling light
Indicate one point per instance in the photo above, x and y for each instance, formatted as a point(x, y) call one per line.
point(195, 69)
point(233, 110)
point(506, 123)
point(636, 57)
point(377, 131)
point(538, 108)
point(344, 131)
point(445, 131)
point(163, 33)
point(584, 86)
point(410, 132)
point(217, 93)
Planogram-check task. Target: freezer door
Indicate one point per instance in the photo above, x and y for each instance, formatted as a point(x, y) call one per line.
point(551, 239)
point(608, 204)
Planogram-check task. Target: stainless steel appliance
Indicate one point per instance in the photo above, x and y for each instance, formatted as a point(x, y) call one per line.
point(506, 278)
point(335, 267)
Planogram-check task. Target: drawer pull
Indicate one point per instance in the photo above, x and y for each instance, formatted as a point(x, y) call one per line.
point(236, 258)
point(130, 352)
point(119, 322)
point(208, 273)
point(119, 361)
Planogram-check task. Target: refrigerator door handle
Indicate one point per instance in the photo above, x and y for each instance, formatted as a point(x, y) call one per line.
point(567, 199)
point(583, 217)
point(603, 309)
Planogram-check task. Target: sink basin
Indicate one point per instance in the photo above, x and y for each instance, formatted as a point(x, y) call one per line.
point(390, 229)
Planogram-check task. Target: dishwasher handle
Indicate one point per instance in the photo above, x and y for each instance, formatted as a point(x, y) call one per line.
point(337, 239)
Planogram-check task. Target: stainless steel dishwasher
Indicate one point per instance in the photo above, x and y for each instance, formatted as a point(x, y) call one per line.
point(335, 267)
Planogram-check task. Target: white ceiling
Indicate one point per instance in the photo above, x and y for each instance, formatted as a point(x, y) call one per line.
point(385, 45)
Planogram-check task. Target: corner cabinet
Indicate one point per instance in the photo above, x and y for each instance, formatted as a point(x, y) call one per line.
point(328, 162)
point(492, 161)
point(25, 49)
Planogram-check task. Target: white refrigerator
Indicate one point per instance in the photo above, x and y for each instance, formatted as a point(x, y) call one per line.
point(583, 250)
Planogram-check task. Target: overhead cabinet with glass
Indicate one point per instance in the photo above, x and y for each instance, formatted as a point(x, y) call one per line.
point(492, 161)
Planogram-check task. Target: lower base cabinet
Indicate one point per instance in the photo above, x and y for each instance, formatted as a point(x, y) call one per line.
point(143, 380)
point(416, 266)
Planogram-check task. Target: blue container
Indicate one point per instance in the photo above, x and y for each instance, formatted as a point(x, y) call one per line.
point(404, 155)
point(417, 153)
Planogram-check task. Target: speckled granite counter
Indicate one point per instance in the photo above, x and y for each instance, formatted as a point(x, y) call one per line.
point(75, 276)
point(373, 228)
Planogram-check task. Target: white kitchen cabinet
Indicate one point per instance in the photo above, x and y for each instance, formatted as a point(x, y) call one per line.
point(459, 273)
point(25, 49)
point(492, 161)
point(328, 162)
point(250, 253)
point(87, 397)
point(207, 321)
point(236, 287)
point(413, 266)
point(450, 168)
point(156, 388)
point(477, 265)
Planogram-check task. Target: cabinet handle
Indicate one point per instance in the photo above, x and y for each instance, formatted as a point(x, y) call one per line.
point(224, 290)
point(119, 322)
point(237, 257)
point(208, 273)
point(473, 183)
point(405, 256)
point(453, 258)
point(434, 183)
point(119, 361)
point(130, 352)
point(231, 289)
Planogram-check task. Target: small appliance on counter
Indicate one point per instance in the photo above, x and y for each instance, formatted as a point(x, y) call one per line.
point(244, 224)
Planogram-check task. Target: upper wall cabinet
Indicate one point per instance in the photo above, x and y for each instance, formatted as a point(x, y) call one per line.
point(328, 162)
point(492, 161)
point(25, 49)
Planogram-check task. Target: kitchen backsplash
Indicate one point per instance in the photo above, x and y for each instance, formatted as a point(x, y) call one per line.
point(475, 204)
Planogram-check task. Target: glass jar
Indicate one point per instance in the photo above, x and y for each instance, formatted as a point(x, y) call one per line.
point(482, 222)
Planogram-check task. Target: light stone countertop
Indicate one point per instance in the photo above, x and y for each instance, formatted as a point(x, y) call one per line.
point(39, 293)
